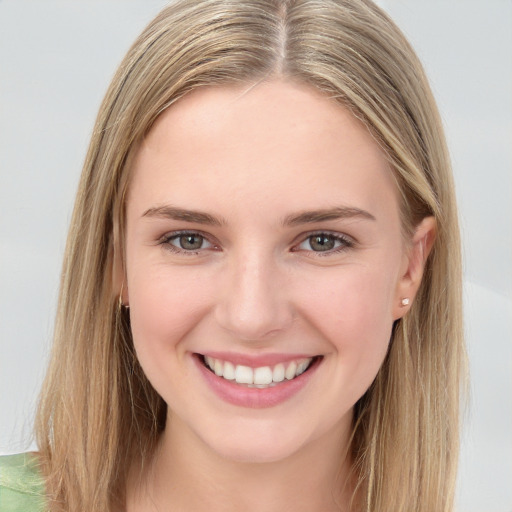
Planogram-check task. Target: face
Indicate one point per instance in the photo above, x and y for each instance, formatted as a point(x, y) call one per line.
point(265, 265)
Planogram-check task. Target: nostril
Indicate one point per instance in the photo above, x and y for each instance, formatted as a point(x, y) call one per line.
point(255, 323)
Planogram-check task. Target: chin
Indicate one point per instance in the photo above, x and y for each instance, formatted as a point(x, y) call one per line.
point(258, 444)
point(257, 453)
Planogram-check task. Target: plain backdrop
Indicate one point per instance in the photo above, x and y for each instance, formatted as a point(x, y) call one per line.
point(56, 59)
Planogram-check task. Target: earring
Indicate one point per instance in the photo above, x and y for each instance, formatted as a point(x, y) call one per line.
point(120, 303)
point(404, 302)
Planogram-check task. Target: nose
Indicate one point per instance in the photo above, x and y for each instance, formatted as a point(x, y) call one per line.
point(254, 303)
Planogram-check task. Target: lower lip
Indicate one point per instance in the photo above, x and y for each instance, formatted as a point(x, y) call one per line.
point(255, 398)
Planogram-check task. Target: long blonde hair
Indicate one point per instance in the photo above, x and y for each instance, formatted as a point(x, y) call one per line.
point(97, 410)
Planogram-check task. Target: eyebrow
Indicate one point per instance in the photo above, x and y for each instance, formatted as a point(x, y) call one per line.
point(341, 212)
point(172, 212)
point(305, 217)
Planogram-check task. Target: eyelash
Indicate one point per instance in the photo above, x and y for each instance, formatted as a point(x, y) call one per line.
point(344, 242)
point(166, 241)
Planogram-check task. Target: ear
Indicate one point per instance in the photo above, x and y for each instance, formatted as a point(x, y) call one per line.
point(413, 266)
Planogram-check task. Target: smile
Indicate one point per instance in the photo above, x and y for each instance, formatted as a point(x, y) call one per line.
point(260, 377)
point(256, 381)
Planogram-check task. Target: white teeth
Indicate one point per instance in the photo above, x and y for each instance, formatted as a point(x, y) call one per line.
point(261, 377)
point(301, 367)
point(218, 368)
point(244, 375)
point(278, 373)
point(290, 370)
point(229, 371)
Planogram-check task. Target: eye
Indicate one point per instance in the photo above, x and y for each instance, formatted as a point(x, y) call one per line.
point(187, 242)
point(325, 242)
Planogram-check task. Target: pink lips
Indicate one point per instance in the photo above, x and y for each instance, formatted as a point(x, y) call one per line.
point(244, 396)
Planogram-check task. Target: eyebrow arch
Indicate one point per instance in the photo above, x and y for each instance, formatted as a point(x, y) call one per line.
point(342, 212)
point(172, 212)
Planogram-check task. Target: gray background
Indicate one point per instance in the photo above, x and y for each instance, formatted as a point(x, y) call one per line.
point(56, 59)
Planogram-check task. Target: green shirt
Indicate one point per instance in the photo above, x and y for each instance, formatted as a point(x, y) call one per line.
point(21, 484)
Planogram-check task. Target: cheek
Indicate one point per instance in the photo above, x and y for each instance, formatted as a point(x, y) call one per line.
point(352, 303)
point(165, 305)
point(354, 315)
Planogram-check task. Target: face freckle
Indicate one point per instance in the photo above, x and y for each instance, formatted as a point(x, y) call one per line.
point(263, 229)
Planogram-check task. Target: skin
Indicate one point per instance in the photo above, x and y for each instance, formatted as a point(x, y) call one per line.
point(253, 158)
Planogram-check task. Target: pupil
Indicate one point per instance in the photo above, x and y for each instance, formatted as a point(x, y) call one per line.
point(322, 243)
point(191, 242)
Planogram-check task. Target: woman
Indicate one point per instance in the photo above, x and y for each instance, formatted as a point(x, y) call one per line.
point(260, 304)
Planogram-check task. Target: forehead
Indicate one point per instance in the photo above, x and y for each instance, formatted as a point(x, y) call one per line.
point(276, 141)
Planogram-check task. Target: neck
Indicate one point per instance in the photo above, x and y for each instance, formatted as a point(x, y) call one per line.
point(185, 474)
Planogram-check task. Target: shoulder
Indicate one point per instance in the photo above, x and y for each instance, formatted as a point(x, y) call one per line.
point(21, 484)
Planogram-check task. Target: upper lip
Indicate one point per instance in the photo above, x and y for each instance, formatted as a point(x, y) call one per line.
point(256, 360)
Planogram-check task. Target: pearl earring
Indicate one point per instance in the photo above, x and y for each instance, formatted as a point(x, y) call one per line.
point(120, 303)
point(404, 302)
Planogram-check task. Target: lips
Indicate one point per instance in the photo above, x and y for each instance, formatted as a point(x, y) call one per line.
point(255, 384)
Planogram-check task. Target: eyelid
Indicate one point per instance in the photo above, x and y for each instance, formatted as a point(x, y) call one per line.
point(166, 239)
point(347, 242)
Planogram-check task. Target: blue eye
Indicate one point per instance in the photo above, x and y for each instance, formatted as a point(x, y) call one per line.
point(325, 242)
